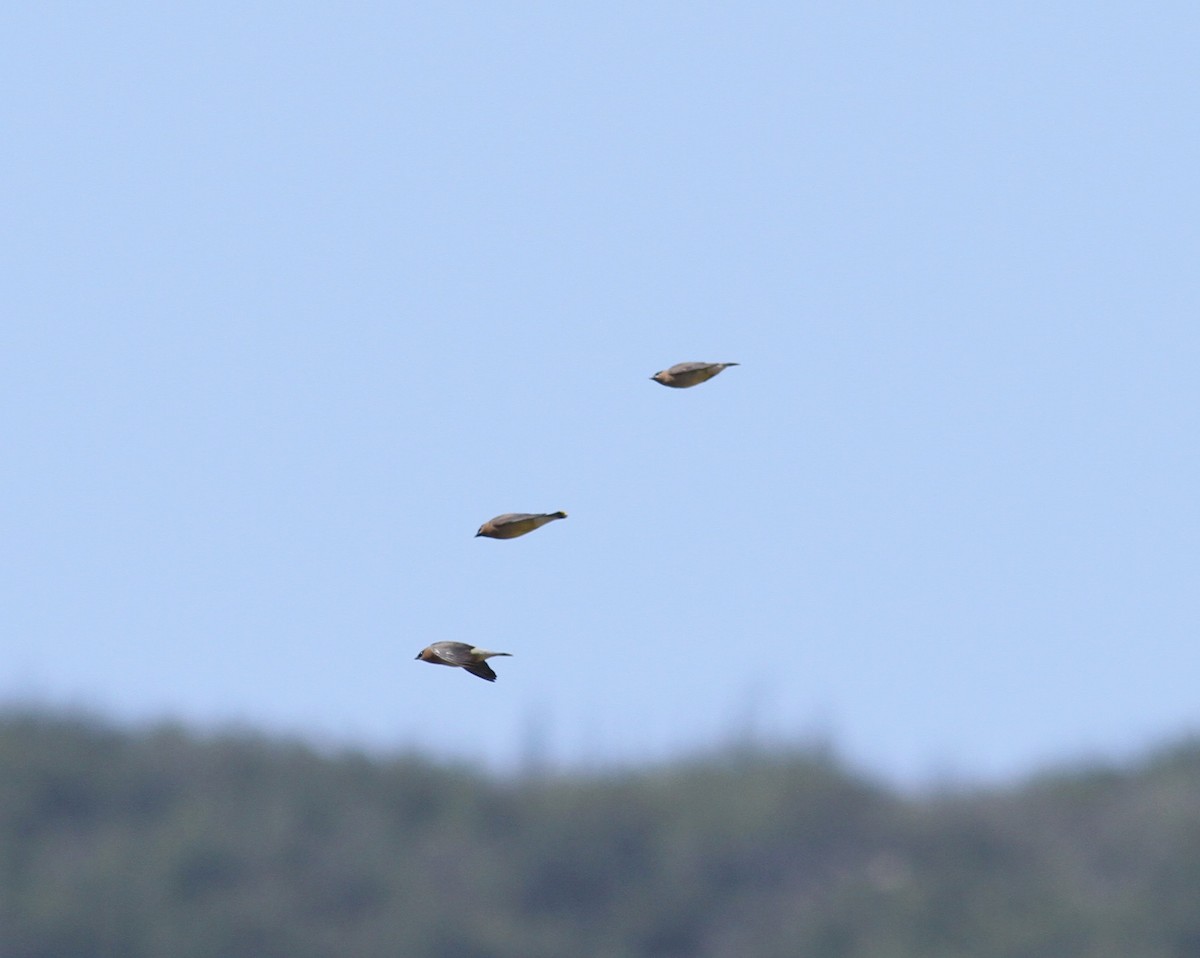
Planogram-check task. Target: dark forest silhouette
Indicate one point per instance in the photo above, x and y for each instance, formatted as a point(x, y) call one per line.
point(161, 842)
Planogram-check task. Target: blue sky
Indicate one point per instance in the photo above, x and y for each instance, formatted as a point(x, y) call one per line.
point(298, 295)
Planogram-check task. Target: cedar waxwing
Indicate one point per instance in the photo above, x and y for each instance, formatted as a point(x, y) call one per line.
point(682, 375)
point(513, 524)
point(462, 655)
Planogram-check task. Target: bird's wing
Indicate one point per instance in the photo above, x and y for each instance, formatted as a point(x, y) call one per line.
point(688, 368)
point(456, 653)
point(482, 669)
point(510, 517)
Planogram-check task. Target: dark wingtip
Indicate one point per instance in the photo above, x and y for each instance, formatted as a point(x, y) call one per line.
point(482, 670)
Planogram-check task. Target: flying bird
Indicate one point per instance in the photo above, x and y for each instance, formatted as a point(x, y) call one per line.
point(461, 655)
point(683, 375)
point(513, 524)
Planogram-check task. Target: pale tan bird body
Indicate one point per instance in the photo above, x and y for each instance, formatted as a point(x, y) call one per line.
point(513, 524)
point(683, 375)
point(461, 655)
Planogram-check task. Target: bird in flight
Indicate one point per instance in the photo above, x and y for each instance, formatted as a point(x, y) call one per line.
point(683, 375)
point(461, 655)
point(513, 524)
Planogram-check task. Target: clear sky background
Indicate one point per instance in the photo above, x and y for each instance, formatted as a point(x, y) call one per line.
point(295, 296)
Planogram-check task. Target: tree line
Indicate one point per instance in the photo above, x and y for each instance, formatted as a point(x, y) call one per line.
point(142, 843)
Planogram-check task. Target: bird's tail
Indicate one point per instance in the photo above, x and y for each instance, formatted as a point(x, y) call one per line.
point(559, 515)
point(487, 654)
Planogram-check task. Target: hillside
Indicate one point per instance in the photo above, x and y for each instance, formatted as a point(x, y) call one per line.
point(132, 845)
